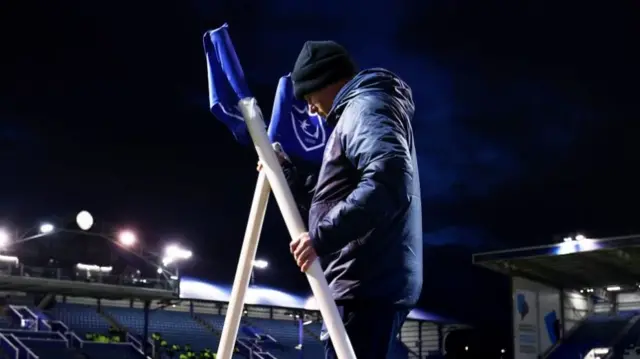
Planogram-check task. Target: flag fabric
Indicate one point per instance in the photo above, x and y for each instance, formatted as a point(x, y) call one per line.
point(301, 134)
point(227, 85)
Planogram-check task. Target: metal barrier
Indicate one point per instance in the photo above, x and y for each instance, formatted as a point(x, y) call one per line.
point(30, 353)
point(6, 344)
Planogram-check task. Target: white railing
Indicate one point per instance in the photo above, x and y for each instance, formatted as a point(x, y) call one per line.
point(75, 336)
point(34, 319)
point(272, 338)
point(137, 344)
point(47, 326)
point(251, 352)
point(17, 313)
point(16, 351)
point(30, 353)
point(65, 339)
point(132, 339)
point(61, 323)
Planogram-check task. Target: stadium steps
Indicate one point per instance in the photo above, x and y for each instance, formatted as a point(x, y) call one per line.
point(112, 321)
point(599, 330)
point(311, 333)
point(626, 340)
point(207, 325)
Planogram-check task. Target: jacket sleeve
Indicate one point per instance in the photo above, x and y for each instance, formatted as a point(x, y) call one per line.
point(377, 145)
point(302, 181)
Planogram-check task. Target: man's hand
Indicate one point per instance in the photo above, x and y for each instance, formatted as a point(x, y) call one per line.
point(303, 251)
point(280, 154)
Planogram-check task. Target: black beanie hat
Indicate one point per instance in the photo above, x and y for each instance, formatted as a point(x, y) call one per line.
point(320, 64)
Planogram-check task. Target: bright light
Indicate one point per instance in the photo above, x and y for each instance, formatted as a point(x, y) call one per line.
point(159, 271)
point(174, 252)
point(84, 220)
point(127, 238)
point(9, 259)
point(93, 268)
point(613, 288)
point(466, 348)
point(260, 264)
point(166, 261)
point(502, 351)
point(46, 228)
point(567, 239)
point(4, 238)
point(580, 237)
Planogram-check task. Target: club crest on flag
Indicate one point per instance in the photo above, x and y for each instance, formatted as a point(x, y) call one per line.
point(308, 128)
point(300, 133)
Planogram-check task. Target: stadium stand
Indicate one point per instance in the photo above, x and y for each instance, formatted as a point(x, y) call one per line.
point(576, 299)
point(80, 320)
point(90, 311)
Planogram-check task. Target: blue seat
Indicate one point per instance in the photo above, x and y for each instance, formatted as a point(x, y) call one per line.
point(175, 327)
point(80, 318)
point(596, 331)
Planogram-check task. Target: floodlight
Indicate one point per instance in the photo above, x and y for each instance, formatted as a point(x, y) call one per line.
point(127, 238)
point(4, 238)
point(84, 220)
point(174, 252)
point(46, 228)
point(260, 264)
point(167, 260)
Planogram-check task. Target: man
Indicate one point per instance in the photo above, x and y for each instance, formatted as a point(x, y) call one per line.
point(363, 204)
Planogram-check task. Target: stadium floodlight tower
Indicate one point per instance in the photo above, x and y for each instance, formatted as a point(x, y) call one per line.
point(173, 254)
point(258, 264)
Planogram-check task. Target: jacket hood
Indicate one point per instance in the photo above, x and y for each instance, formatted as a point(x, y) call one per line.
point(376, 81)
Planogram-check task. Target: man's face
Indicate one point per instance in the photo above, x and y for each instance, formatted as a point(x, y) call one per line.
point(320, 102)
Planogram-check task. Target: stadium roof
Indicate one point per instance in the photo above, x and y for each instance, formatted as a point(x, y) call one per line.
point(573, 264)
point(82, 289)
point(197, 289)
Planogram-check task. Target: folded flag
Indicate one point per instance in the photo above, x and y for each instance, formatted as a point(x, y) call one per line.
point(227, 85)
point(302, 135)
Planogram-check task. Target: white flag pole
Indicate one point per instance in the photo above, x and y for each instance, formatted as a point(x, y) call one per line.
point(245, 267)
point(293, 220)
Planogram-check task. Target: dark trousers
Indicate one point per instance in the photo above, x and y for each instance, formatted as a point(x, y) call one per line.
point(371, 327)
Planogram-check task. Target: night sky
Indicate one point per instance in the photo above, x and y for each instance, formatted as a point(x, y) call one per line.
point(523, 124)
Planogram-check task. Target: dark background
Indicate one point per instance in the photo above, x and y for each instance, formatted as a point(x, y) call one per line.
point(525, 124)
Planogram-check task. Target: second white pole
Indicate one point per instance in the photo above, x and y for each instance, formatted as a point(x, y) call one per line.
point(245, 267)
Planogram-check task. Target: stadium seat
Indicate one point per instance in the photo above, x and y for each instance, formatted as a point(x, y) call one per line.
point(80, 318)
point(596, 331)
point(175, 327)
point(627, 346)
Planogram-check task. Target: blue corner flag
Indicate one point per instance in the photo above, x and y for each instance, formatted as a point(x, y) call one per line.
point(301, 134)
point(227, 85)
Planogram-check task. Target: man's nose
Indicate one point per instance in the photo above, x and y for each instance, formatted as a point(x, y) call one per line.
point(312, 109)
